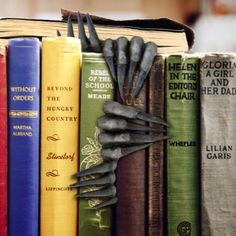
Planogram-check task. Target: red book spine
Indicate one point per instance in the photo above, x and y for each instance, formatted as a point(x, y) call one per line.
point(3, 143)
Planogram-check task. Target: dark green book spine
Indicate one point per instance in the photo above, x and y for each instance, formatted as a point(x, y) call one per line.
point(182, 113)
point(96, 88)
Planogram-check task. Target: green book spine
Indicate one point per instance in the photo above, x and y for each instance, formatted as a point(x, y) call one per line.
point(96, 88)
point(182, 114)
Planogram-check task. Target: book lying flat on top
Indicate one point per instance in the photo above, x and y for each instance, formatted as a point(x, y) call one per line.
point(169, 35)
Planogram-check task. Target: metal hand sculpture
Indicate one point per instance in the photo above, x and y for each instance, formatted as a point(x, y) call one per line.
point(123, 58)
point(120, 134)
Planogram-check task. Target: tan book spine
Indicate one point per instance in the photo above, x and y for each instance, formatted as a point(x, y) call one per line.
point(218, 145)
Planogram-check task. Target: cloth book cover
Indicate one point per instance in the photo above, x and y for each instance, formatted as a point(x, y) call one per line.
point(218, 145)
point(182, 148)
point(3, 142)
point(96, 88)
point(24, 111)
point(59, 135)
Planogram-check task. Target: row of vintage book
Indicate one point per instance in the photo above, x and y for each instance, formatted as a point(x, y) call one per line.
point(49, 108)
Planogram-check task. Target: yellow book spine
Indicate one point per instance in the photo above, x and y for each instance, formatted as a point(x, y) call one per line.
point(61, 60)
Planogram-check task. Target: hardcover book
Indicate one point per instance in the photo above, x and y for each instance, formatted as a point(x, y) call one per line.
point(24, 108)
point(3, 142)
point(59, 135)
point(131, 208)
point(182, 148)
point(96, 88)
point(218, 147)
point(169, 35)
point(156, 152)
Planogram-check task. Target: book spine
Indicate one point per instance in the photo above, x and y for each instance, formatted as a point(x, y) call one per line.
point(218, 147)
point(24, 107)
point(156, 153)
point(182, 113)
point(131, 209)
point(96, 88)
point(59, 135)
point(3, 143)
